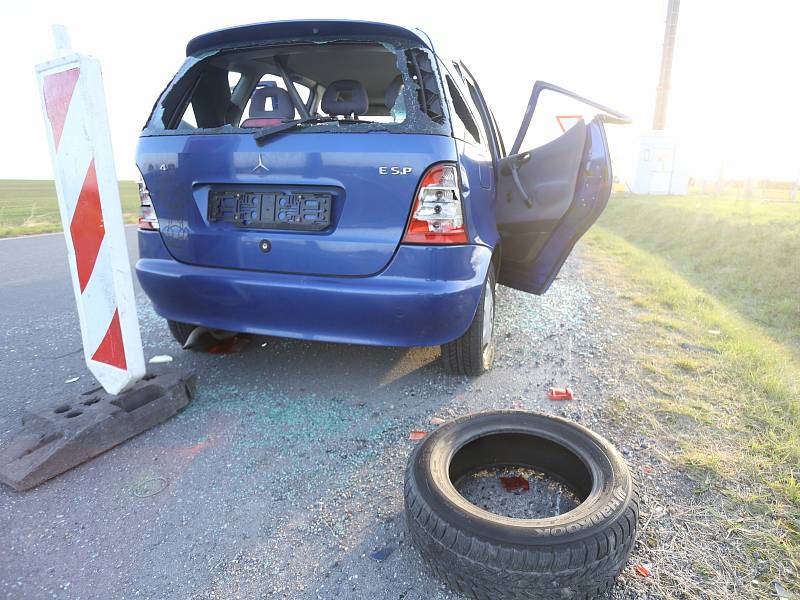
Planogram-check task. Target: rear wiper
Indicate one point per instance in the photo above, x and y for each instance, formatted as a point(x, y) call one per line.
point(266, 132)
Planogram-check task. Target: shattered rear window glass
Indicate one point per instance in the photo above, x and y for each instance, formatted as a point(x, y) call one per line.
point(371, 85)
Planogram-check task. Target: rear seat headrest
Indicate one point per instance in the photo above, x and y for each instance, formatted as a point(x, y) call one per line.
point(282, 107)
point(345, 97)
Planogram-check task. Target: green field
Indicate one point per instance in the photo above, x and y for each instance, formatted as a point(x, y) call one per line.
point(714, 285)
point(30, 206)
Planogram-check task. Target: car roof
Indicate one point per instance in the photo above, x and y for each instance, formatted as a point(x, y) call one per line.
point(302, 28)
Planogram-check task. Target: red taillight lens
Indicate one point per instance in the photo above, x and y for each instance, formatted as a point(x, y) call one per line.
point(438, 214)
point(147, 214)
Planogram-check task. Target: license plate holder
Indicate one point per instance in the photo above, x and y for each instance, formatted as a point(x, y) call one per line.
point(271, 209)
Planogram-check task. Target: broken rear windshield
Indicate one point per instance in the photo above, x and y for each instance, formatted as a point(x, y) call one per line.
point(332, 85)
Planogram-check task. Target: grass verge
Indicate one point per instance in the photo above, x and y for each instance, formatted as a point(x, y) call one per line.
point(745, 253)
point(722, 380)
point(30, 206)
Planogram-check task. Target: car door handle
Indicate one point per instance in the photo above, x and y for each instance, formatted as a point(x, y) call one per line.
point(511, 167)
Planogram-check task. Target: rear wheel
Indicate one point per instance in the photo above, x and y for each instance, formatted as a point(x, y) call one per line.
point(473, 353)
point(180, 331)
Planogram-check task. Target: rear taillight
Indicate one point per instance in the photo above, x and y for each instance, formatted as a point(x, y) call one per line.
point(438, 214)
point(147, 214)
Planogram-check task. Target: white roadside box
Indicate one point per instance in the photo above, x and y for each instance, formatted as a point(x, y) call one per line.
point(659, 171)
point(71, 91)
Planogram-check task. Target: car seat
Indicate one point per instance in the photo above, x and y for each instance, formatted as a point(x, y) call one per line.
point(345, 97)
point(282, 107)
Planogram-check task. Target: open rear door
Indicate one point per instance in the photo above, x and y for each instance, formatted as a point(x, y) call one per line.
point(548, 197)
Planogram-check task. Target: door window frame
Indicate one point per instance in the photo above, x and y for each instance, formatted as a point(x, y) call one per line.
point(449, 78)
point(607, 115)
point(496, 146)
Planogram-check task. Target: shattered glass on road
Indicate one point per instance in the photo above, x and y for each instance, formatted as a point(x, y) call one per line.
point(283, 479)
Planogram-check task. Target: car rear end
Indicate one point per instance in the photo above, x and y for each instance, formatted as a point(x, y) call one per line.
point(299, 179)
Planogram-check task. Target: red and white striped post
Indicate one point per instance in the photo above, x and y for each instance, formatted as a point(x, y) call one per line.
point(71, 91)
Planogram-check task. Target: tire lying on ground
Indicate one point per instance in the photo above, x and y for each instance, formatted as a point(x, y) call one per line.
point(483, 555)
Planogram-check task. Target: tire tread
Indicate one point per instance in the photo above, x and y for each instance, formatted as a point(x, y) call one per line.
point(180, 331)
point(578, 570)
point(464, 356)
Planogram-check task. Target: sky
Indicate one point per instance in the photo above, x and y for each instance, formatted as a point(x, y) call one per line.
point(733, 104)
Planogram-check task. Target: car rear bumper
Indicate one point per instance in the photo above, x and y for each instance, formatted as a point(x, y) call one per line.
point(427, 295)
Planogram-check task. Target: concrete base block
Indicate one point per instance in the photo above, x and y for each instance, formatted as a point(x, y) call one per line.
point(61, 435)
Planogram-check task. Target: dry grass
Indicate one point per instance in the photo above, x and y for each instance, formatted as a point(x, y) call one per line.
point(721, 391)
point(744, 254)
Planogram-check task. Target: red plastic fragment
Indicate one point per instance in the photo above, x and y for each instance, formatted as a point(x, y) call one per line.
point(555, 393)
point(515, 483)
point(642, 570)
point(417, 434)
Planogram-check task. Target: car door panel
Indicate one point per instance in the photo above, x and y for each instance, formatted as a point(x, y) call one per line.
point(548, 197)
point(547, 176)
point(539, 248)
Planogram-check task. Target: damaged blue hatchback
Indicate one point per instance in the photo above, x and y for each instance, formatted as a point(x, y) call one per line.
point(342, 181)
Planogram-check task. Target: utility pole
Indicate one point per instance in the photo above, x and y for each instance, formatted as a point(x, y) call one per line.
point(658, 172)
point(662, 92)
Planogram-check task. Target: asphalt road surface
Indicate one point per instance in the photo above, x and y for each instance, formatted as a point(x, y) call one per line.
point(284, 476)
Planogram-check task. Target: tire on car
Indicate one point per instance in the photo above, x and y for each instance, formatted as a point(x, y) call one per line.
point(483, 555)
point(180, 331)
point(473, 353)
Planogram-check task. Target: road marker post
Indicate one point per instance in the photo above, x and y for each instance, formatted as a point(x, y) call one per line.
point(65, 432)
point(71, 92)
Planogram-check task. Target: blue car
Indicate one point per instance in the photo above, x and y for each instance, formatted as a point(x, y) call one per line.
point(342, 181)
